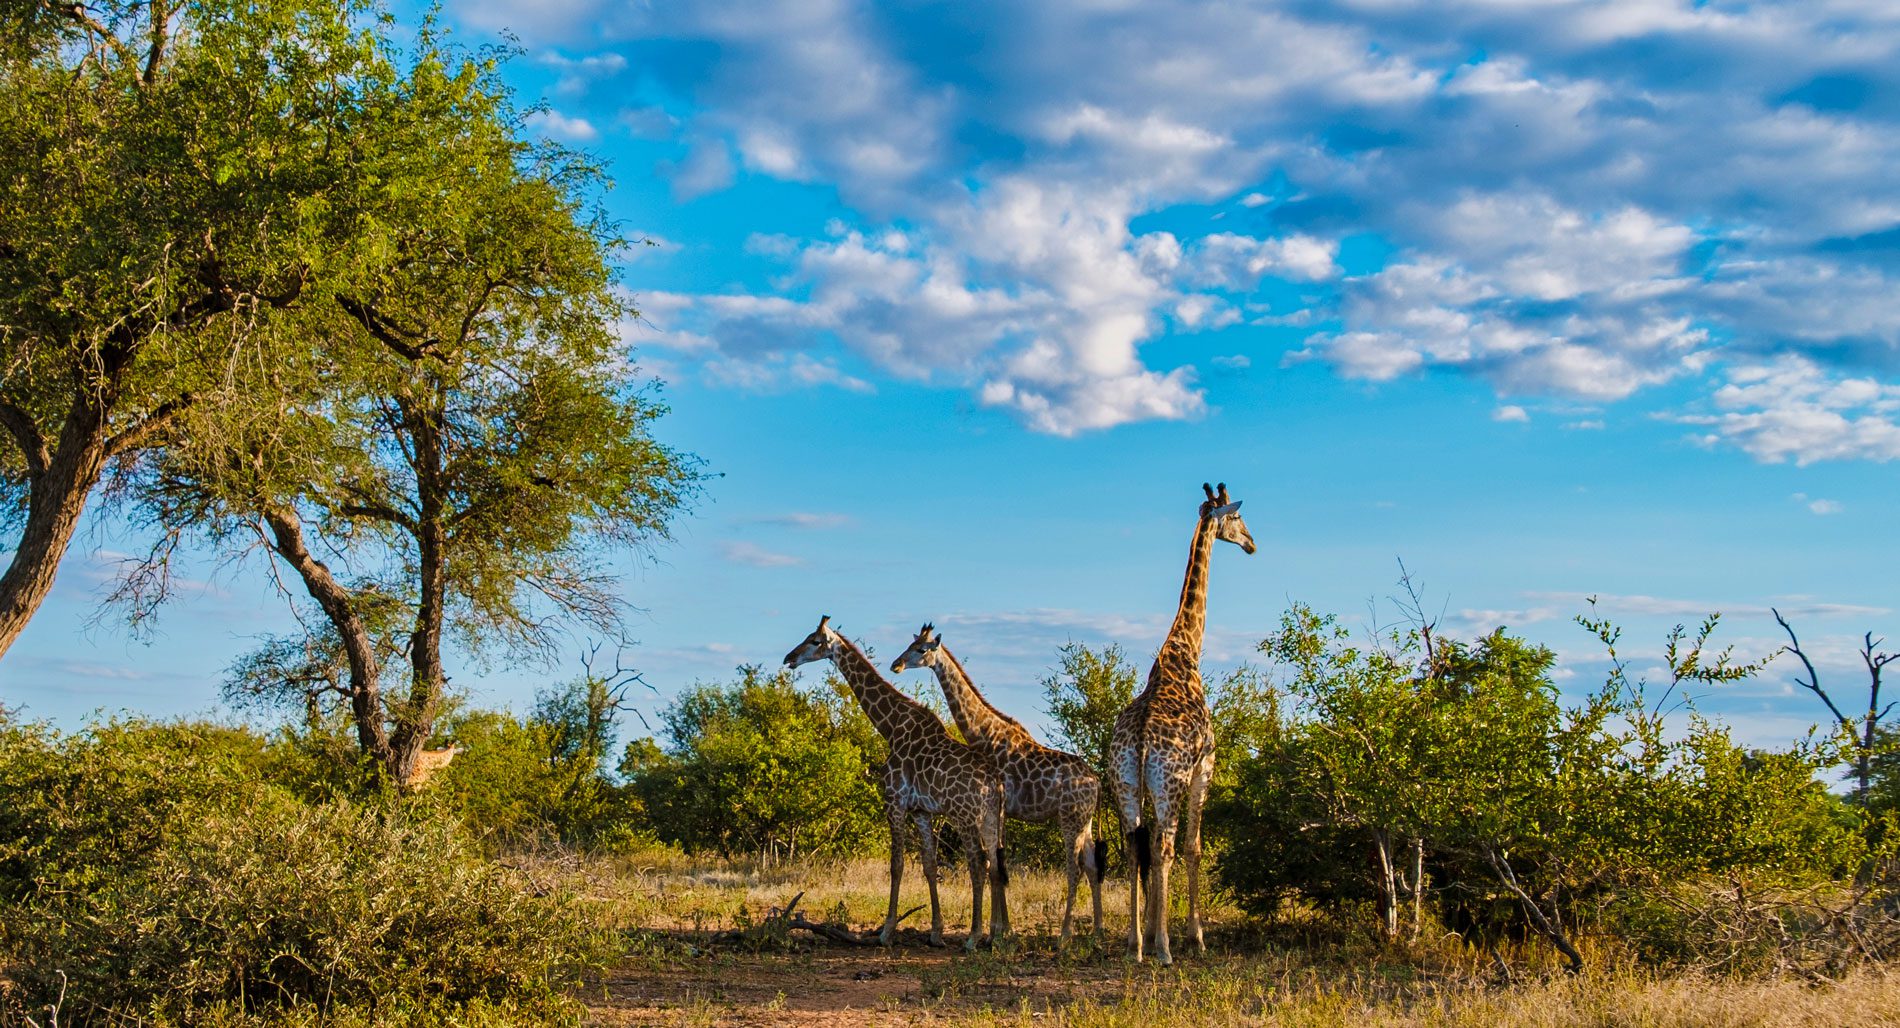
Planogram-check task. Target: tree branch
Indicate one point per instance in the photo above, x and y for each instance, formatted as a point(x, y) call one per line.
point(379, 512)
point(155, 55)
point(1813, 684)
point(386, 331)
point(19, 424)
point(76, 13)
point(152, 424)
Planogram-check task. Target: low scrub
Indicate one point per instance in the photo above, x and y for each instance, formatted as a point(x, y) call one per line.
point(262, 905)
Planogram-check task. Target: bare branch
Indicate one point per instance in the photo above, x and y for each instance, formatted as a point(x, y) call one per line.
point(385, 330)
point(1813, 684)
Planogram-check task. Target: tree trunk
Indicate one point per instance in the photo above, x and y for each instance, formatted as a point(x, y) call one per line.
point(1388, 886)
point(359, 647)
point(56, 496)
point(1418, 886)
point(416, 721)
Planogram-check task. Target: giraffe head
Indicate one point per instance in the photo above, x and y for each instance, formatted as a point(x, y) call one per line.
point(924, 651)
point(821, 644)
point(1225, 514)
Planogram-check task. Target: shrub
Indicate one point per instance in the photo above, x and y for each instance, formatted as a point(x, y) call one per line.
point(761, 767)
point(152, 872)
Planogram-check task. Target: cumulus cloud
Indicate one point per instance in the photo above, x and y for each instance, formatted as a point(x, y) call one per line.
point(1794, 409)
point(578, 73)
point(1510, 412)
point(1567, 212)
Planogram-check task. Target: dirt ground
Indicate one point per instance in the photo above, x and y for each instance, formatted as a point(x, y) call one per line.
point(821, 983)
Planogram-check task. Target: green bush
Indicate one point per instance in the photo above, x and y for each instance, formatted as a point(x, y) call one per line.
point(760, 767)
point(515, 786)
point(1462, 761)
point(156, 872)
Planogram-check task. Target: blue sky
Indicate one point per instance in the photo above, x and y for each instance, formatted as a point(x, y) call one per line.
point(964, 301)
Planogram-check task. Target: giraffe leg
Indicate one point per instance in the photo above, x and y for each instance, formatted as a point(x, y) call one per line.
point(896, 818)
point(1098, 870)
point(1166, 820)
point(1158, 898)
point(999, 876)
point(928, 832)
point(973, 855)
point(1078, 838)
point(1127, 784)
point(1191, 849)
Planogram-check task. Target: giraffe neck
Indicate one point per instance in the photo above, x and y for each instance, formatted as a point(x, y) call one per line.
point(980, 722)
point(889, 710)
point(1190, 619)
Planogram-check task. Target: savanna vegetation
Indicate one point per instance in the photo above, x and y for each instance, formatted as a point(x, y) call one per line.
point(282, 284)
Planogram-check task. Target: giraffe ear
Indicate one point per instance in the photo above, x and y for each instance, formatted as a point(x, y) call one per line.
point(1224, 510)
point(1208, 489)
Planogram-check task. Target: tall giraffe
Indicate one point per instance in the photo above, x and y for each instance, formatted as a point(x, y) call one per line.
point(1039, 784)
point(1163, 748)
point(929, 775)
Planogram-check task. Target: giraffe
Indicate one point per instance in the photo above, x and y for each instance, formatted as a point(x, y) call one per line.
point(1039, 783)
point(1163, 747)
point(428, 762)
point(929, 775)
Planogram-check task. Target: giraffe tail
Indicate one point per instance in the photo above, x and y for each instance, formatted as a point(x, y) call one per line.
point(1101, 860)
point(1144, 853)
point(1002, 867)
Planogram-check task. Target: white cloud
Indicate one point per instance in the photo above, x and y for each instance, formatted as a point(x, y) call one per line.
point(806, 519)
point(1818, 506)
point(1510, 412)
point(578, 73)
point(560, 126)
point(780, 373)
point(752, 555)
point(1794, 409)
point(1569, 215)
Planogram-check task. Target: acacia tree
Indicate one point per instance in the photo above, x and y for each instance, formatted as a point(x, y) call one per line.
point(465, 428)
point(167, 174)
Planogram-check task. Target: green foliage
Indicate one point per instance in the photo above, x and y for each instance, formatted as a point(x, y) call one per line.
point(760, 767)
point(167, 872)
point(1518, 802)
point(539, 779)
point(1083, 698)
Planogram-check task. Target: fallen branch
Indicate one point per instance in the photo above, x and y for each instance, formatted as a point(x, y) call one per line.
point(779, 923)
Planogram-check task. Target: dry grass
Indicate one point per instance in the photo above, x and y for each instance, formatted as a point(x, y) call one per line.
point(1290, 974)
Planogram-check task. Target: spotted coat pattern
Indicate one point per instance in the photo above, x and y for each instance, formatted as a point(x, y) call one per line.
point(930, 777)
point(1040, 784)
point(1162, 753)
